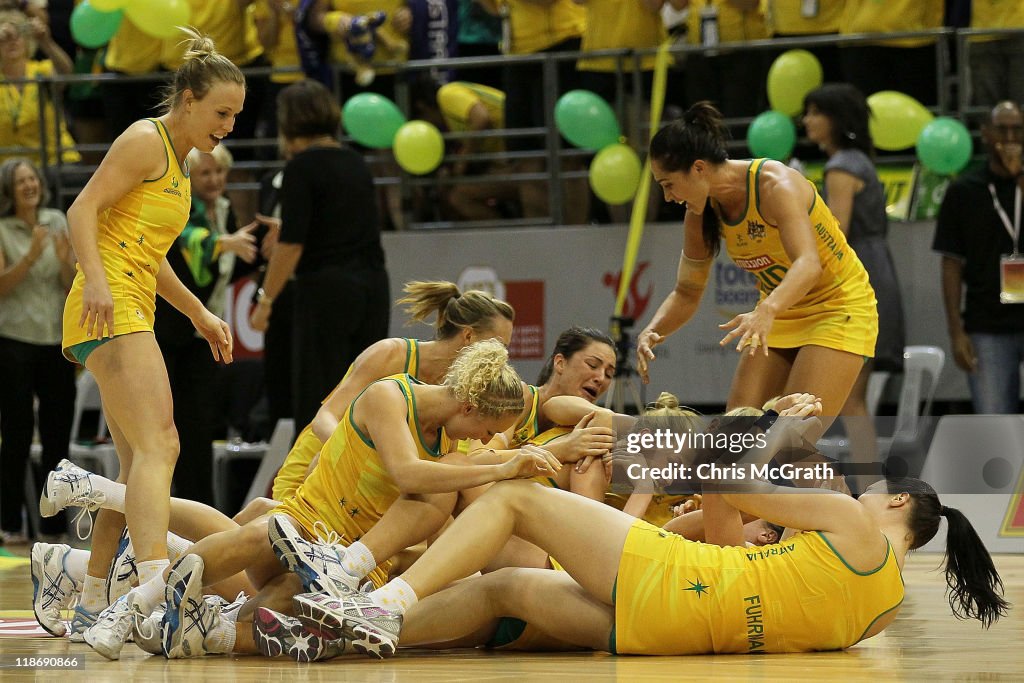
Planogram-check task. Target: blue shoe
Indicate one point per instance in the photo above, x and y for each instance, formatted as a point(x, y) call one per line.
point(80, 623)
point(123, 574)
point(188, 619)
point(53, 589)
point(317, 564)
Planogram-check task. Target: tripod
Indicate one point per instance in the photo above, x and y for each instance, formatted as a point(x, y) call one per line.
point(626, 378)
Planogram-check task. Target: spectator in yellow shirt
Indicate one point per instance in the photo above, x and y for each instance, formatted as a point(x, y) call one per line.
point(997, 66)
point(809, 19)
point(906, 65)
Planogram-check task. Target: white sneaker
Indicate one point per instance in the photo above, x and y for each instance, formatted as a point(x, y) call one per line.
point(82, 620)
point(188, 618)
point(148, 632)
point(123, 574)
point(317, 564)
point(69, 485)
point(113, 626)
point(370, 630)
point(53, 589)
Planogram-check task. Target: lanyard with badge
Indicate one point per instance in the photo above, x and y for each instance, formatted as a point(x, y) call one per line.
point(1011, 266)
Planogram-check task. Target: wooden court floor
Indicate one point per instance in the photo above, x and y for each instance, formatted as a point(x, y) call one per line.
point(925, 644)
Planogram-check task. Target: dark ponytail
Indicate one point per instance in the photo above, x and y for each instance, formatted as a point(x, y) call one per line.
point(975, 589)
point(699, 134)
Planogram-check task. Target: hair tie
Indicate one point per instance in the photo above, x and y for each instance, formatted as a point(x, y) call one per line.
point(944, 511)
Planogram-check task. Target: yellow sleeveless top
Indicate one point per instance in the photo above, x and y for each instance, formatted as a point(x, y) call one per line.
point(544, 439)
point(307, 445)
point(530, 427)
point(133, 237)
point(675, 596)
point(839, 311)
point(349, 490)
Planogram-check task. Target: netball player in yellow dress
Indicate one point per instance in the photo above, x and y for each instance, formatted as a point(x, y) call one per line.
point(632, 588)
point(122, 225)
point(816, 320)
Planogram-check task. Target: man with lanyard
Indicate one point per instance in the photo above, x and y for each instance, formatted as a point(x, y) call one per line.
point(978, 235)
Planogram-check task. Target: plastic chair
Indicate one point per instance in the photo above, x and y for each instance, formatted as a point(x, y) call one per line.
point(94, 452)
point(976, 464)
point(922, 366)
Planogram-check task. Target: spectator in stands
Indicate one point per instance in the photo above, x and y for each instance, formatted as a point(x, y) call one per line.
point(997, 63)
point(803, 19)
point(466, 108)
point(131, 53)
point(20, 36)
point(479, 36)
point(612, 24)
point(533, 28)
point(361, 40)
point(979, 224)
point(836, 118)
point(275, 27)
point(277, 339)
point(330, 241)
point(233, 30)
point(734, 79)
point(37, 265)
point(906, 65)
point(205, 260)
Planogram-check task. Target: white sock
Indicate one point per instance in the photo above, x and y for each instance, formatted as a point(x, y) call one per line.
point(150, 593)
point(112, 489)
point(358, 560)
point(76, 564)
point(221, 639)
point(176, 547)
point(394, 596)
point(152, 568)
point(94, 594)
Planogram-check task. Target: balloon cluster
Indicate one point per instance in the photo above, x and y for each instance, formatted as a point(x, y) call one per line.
point(374, 121)
point(585, 119)
point(897, 121)
point(94, 22)
point(792, 75)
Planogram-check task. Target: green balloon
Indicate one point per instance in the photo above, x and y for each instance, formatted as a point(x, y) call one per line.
point(772, 134)
point(586, 120)
point(419, 147)
point(945, 146)
point(91, 28)
point(371, 120)
point(615, 174)
point(896, 120)
point(792, 75)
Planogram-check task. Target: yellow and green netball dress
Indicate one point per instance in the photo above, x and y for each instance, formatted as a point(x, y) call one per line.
point(307, 445)
point(133, 237)
point(839, 311)
point(677, 597)
point(349, 490)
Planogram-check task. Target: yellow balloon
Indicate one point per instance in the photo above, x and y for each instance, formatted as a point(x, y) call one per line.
point(159, 18)
point(419, 147)
point(108, 5)
point(615, 174)
point(793, 74)
point(896, 120)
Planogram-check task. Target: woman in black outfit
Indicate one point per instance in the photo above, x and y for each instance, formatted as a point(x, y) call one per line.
point(330, 241)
